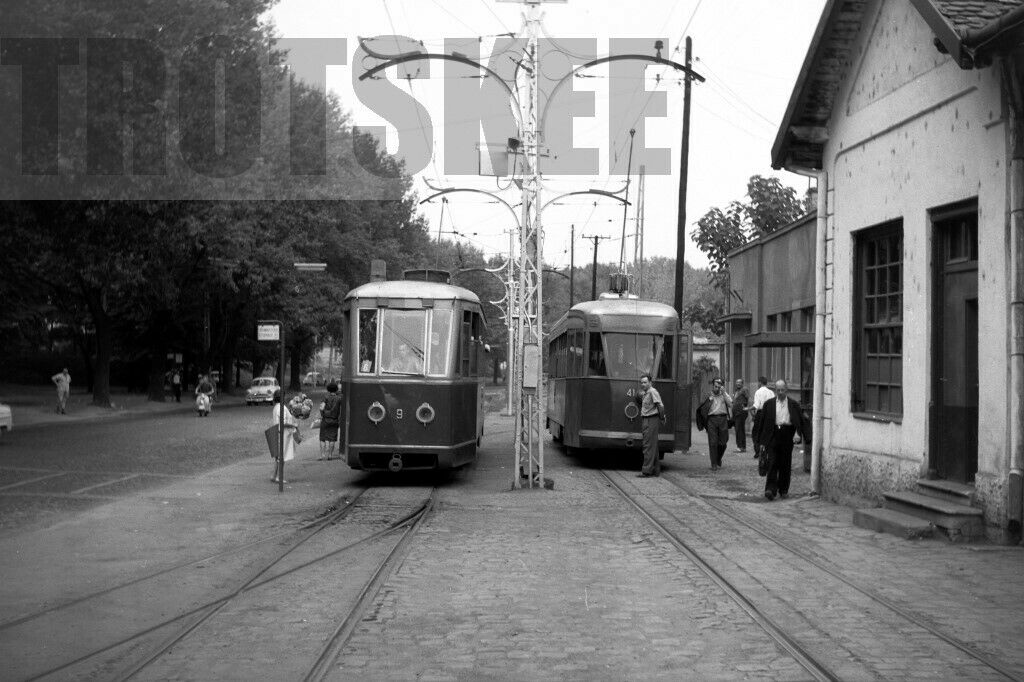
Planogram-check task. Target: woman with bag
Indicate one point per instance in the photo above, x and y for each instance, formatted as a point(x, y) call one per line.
point(292, 435)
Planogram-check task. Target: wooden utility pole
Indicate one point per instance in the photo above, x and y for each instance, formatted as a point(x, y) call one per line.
point(593, 275)
point(683, 172)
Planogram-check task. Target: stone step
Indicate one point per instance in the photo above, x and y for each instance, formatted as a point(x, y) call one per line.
point(893, 522)
point(956, 521)
point(960, 493)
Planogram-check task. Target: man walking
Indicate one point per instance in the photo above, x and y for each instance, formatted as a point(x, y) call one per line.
point(713, 414)
point(62, 380)
point(740, 402)
point(762, 394)
point(779, 425)
point(652, 412)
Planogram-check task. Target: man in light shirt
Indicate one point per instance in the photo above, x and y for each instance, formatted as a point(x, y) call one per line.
point(652, 412)
point(762, 394)
point(778, 426)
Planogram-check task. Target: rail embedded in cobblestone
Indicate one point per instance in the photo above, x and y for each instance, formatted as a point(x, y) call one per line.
point(336, 642)
point(817, 669)
point(779, 538)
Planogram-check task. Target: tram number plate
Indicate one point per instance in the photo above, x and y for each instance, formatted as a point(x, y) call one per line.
point(398, 413)
point(632, 392)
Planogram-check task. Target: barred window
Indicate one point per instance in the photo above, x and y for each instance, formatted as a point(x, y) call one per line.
point(878, 321)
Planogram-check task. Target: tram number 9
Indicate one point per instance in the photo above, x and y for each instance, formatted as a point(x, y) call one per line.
point(398, 413)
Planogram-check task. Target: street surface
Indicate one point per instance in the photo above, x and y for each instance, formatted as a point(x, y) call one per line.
point(112, 528)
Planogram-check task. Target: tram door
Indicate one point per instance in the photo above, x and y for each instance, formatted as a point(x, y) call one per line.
point(684, 391)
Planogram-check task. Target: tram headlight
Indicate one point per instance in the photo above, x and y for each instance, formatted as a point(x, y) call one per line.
point(632, 411)
point(425, 413)
point(376, 412)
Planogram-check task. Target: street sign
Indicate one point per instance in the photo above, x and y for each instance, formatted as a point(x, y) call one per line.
point(268, 331)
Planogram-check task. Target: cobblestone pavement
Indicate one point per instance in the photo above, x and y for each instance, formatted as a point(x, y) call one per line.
point(571, 584)
point(500, 585)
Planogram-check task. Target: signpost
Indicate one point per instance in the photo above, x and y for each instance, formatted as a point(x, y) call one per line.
point(273, 330)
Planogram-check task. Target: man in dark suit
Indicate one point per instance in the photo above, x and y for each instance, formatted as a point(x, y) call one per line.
point(779, 425)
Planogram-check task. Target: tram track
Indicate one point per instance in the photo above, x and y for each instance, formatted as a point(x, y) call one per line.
point(916, 619)
point(818, 670)
point(775, 625)
point(190, 621)
point(333, 515)
point(335, 643)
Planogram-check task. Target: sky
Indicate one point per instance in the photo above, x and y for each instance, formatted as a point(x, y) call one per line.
point(749, 51)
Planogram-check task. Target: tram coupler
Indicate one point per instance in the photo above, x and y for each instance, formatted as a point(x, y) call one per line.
point(395, 463)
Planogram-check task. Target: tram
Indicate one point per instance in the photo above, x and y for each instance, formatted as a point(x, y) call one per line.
point(596, 354)
point(412, 374)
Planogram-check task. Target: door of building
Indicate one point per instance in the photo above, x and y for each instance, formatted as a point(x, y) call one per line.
point(954, 422)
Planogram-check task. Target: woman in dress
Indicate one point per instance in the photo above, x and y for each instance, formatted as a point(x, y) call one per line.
point(330, 422)
point(291, 430)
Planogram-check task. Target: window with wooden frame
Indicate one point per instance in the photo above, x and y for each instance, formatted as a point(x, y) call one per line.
point(878, 320)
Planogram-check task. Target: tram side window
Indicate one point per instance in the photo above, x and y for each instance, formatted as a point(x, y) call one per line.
point(478, 344)
point(367, 341)
point(597, 366)
point(577, 360)
point(465, 343)
point(440, 333)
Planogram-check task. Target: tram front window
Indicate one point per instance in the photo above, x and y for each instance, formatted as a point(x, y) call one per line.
point(629, 355)
point(440, 333)
point(402, 334)
point(367, 341)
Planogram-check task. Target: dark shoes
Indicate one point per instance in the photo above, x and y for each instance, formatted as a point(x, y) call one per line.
point(783, 496)
point(770, 495)
point(643, 475)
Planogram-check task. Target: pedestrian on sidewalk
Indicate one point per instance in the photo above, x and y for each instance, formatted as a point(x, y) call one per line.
point(292, 436)
point(176, 385)
point(330, 422)
point(762, 394)
point(652, 413)
point(740, 402)
point(713, 415)
point(780, 425)
point(62, 380)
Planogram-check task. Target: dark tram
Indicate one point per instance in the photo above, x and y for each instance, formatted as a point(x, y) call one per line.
point(596, 354)
point(412, 374)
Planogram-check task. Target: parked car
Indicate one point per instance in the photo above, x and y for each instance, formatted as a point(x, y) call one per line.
point(313, 379)
point(261, 390)
point(6, 418)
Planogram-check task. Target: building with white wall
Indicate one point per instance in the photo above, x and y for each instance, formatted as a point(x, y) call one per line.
point(909, 114)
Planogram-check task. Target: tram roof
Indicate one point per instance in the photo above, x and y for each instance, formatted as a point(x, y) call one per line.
point(624, 314)
point(412, 289)
point(625, 306)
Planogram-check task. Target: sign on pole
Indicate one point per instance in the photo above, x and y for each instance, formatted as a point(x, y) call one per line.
point(268, 331)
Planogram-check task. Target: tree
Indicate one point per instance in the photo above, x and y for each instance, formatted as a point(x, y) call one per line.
point(769, 205)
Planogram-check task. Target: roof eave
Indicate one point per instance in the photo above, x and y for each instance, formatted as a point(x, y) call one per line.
point(780, 156)
point(945, 32)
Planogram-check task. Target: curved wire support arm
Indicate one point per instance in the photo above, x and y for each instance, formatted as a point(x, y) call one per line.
point(452, 190)
point(416, 56)
point(604, 60)
point(599, 192)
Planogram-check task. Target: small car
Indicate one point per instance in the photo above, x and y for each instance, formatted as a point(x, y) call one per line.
point(6, 419)
point(261, 390)
point(313, 379)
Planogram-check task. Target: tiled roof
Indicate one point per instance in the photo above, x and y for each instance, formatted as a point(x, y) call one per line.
point(971, 15)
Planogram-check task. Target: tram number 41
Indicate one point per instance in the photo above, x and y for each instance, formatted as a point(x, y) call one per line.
point(632, 392)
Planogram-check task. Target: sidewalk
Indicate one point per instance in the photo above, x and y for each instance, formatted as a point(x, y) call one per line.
point(36, 405)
